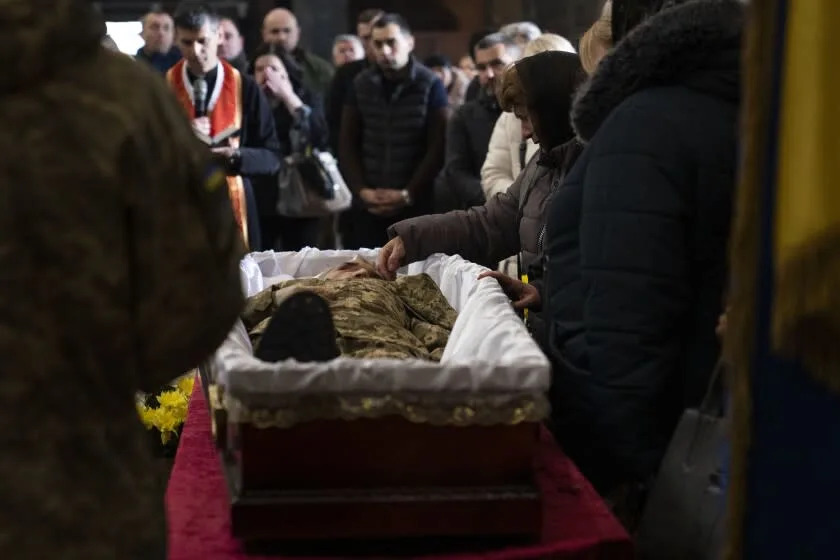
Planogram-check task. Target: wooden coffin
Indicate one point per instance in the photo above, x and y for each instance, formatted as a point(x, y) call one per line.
point(382, 478)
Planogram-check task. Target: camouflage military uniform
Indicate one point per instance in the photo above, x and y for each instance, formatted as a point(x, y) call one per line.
point(119, 271)
point(406, 318)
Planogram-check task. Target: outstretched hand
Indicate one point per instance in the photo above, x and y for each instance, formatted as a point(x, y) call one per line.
point(522, 295)
point(390, 258)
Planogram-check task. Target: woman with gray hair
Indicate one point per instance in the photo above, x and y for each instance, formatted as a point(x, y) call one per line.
point(523, 32)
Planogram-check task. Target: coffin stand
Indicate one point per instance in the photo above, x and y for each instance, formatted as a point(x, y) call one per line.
point(384, 478)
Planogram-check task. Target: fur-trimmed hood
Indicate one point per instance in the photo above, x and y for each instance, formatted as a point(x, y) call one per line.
point(696, 44)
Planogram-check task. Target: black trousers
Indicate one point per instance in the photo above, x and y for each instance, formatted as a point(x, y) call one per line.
point(289, 234)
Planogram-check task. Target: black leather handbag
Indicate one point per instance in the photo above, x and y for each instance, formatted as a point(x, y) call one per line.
point(684, 517)
point(309, 182)
point(310, 185)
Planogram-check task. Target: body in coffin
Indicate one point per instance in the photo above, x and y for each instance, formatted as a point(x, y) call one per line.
point(371, 317)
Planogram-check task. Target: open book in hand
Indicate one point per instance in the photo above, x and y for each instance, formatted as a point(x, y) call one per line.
point(221, 139)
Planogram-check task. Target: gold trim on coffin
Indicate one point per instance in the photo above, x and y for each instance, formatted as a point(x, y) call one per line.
point(460, 411)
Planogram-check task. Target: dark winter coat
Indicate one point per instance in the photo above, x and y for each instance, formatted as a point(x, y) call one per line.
point(119, 272)
point(637, 235)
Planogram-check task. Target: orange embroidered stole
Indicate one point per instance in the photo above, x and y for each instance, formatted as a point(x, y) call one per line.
point(225, 113)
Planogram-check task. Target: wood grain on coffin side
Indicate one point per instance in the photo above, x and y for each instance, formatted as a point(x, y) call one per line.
point(386, 452)
point(385, 478)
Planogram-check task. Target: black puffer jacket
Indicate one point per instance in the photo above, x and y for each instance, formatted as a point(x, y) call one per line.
point(637, 235)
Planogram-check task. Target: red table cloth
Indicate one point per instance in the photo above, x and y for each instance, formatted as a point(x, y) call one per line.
point(577, 523)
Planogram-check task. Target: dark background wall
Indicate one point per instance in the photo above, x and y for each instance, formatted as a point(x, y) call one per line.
point(439, 25)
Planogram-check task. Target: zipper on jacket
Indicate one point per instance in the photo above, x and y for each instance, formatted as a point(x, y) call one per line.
point(388, 141)
point(540, 240)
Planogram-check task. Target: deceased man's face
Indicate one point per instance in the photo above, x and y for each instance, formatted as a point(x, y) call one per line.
point(353, 269)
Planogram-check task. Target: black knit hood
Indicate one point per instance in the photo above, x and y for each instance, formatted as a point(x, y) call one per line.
point(549, 80)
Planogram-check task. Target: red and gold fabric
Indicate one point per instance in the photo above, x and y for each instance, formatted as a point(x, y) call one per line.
point(224, 109)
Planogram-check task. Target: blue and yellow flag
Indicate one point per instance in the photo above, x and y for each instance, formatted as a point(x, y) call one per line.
point(784, 326)
point(806, 244)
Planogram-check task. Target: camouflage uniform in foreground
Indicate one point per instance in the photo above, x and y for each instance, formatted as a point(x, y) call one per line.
point(119, 272)
point(374, 318)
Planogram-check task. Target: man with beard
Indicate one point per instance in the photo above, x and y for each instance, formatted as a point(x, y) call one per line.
point(392, 136)
point(458, 186)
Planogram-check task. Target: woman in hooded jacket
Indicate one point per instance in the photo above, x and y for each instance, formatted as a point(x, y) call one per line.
point(509, 151)
point(538, 90)
point(636, 240)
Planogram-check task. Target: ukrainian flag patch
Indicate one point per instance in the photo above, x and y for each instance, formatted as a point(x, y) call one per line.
point(214, 177)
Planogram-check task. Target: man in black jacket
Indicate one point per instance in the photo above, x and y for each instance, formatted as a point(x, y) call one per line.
point(458, 186)
point(392, 134)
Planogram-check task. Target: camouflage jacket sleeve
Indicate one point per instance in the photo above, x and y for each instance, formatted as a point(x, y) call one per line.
point(184, 243)
point(425, 301)
point(431, 316)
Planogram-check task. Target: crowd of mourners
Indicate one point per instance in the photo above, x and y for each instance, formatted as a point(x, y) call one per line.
point(595, 180)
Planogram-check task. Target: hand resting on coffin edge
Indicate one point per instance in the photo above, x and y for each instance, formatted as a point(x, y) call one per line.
point(522, 295)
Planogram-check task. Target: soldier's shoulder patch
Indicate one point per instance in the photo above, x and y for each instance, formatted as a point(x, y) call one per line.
point(214, 177)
